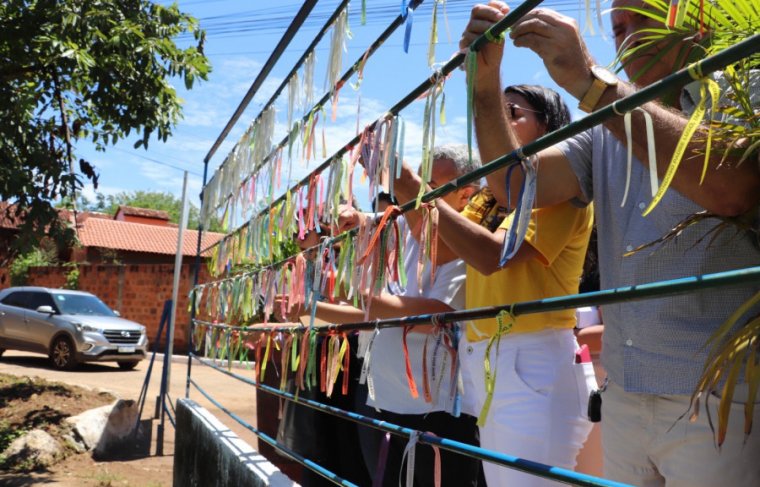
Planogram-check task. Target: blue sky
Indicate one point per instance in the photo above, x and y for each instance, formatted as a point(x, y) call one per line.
point(241, 35)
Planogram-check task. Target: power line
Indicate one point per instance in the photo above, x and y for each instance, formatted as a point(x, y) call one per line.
point(267, 20)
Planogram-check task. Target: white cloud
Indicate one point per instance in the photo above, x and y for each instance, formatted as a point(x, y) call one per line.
point(89, 192)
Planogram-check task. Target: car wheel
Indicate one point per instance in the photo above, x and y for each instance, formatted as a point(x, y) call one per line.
point(62, 354)
point(124, 365)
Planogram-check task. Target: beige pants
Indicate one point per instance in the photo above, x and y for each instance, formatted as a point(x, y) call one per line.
point(646, 445)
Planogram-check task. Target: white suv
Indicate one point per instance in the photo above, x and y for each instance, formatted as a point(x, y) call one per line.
point(69, 326)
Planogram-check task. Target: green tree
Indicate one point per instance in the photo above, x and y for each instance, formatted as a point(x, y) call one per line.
point(83, 70)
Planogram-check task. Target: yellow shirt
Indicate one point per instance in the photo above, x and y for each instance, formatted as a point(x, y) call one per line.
point(560, 234)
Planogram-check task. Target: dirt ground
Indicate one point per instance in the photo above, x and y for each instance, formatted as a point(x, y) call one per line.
point(102, 382)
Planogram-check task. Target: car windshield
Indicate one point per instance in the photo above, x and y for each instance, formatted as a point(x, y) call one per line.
point(81, 304)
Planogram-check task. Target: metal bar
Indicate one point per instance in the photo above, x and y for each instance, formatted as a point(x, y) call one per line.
point(162, 395)
point(299, 19)
point(656, 289)
point(346, 76)
point(146, 383)
point(296, 67)
point(196, 274)
point(517, 463)
point(332, 477)
point(175, 284)
point(679, 78)
point(449, 67)
point(708, 65)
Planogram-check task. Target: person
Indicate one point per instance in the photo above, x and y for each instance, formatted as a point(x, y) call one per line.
point(434, 294)
point(382, 201)
point(538, 406)
point(654, 351)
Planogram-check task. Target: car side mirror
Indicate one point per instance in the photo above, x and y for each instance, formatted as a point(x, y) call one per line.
point(48, 310)
point(116, 313)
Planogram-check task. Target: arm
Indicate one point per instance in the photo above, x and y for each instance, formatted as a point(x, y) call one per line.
point(556, 180)
point(383, 307)
point(464, 239)
point(727, 191)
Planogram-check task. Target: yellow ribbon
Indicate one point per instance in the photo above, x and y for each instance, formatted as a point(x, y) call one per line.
point(707, 85)
point(490, 376)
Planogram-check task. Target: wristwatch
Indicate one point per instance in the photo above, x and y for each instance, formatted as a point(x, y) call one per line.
point(603, 79)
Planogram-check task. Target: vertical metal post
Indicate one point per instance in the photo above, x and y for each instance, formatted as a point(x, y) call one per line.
point(160, 402)
point(167, 372)
point(196, 273)
point(175, 285)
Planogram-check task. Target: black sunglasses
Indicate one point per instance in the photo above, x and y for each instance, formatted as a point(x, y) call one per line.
point(513, 110)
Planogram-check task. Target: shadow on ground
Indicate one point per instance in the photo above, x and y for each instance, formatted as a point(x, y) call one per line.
point(42, 362)
point(24, 480)
point(132, 448)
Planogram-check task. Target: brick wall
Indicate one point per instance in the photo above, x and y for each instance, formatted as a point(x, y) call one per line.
point(137, 291)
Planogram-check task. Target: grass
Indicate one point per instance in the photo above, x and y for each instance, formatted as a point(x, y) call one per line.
point(104, 478)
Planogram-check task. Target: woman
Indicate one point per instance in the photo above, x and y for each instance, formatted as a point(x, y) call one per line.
point(538, 403)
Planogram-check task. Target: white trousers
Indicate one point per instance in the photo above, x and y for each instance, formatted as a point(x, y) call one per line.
point(645, 444)
point(539, 402)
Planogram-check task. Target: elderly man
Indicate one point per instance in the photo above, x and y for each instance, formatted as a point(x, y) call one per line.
point(653, 351)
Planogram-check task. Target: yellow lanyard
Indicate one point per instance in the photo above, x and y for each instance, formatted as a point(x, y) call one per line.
point(490, 375)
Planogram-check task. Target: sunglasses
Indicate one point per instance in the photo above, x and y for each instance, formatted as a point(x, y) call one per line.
point(515, 111)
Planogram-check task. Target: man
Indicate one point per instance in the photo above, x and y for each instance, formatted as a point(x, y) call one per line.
point(653, 351)
point(441, 293)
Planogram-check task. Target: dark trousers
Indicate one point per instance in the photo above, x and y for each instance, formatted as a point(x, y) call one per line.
point(456, 470)
point(330, 441)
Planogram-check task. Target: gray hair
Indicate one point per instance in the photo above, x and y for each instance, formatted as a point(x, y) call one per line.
point(459, 155)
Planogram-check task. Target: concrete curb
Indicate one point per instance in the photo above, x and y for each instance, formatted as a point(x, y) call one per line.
point(208, 453)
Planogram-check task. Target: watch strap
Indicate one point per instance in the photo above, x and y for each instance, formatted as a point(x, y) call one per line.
point(592, 96)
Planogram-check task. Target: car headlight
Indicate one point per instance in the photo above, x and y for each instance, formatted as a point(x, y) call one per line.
point(81, 327)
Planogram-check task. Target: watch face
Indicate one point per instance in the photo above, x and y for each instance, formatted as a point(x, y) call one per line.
point(604, 74)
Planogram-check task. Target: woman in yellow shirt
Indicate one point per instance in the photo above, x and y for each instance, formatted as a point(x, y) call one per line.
point(537, 409)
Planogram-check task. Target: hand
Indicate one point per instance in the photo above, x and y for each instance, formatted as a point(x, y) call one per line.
point(348, 218)
point(557, 40)
point(482, 18)
point(310, 240)
point(407, 186)
point(288, 316)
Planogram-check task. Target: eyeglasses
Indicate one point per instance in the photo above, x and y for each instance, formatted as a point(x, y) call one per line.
point(515, 110)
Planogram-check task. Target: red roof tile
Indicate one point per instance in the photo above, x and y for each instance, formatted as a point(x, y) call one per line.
point(139, 237)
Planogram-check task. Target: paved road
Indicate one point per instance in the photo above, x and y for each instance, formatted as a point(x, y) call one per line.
point(238, 397)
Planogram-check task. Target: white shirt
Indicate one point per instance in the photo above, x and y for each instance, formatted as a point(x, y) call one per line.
point(387, 365)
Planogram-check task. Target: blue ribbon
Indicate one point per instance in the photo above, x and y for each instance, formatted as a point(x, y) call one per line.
point(408, 15)
point(510, 240)
point(457, 406)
